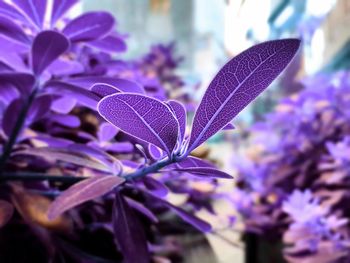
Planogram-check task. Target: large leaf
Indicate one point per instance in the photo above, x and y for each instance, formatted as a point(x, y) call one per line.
point(11, 30)
point(129, 233)
point(34, 9)
point(89, 26)
point(239, 82)
point(47, 46)
point(143, 117)
point(83, 191)
point(120, 84)
point(60, 7)
point(180, 114)
point(66, 155)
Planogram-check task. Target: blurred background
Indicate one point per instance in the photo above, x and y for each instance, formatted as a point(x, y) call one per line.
point(207, 33)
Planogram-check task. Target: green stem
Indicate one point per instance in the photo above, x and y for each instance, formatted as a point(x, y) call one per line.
point(17, 129)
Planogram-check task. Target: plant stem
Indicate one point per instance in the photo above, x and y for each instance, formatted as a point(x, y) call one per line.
point(17, 129)
point(153, 167)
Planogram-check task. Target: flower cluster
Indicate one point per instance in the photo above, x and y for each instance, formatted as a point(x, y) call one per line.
point(297, 180)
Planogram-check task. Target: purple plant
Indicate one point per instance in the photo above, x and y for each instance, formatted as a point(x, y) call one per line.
point(55, 101)
point(297, 181)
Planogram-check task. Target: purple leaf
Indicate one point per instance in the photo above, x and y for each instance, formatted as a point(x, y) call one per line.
point(190, 162)
point(40, 106)
point(143, 117)
point(155, 152)
point(83, 96)
point(129, 233)
point(142, 209)
point(66, 155)
point(120, 147)
point(239, 82)
point(83, 191)
point(22, 81)
point(180, 114)
point(47, 46)
point(120, 84)
point(89, 26)
point(34, 9)
point(66, 120)
point(198, 167)
point(10, 11)
point(11, 113)
point(204, 172)
point(229, 126)
point(65, 67)
point(63, 105)
point(60, 7)
point(106, 132)
point(109, 44)
point(12, 31)
point(186, 216)
point(4, 67)
point(103, 90)
point(156, 187)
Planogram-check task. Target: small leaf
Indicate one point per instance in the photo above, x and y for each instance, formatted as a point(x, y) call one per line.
point(60, 7)
point(89, 26)
point(180, 114)
point(103, 89)
point(186, 216)
point(67, 120)
point(106, 132)
point(204, 172)
point(119, 84)
point(12, 31)
point(83, 96)
point(198, 167)
point(229, 126)
point(190, 162)
point(6, 211)
point(155, 152)
point(156, 187)
point(129, 233)
point(239, 82)
point(63, 105)
point(39, 108)
point(22, 81)
point(110, 44)
point(142, 209)
point(83, 191)
point(34, 9)
point(11, 113)
point(47, 46)
point(143, 117)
